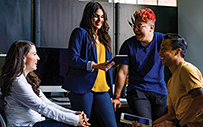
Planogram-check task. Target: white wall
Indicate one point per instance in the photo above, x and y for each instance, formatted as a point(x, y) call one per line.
point(190, 26)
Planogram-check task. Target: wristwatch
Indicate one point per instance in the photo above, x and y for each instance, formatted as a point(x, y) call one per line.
point(116, 97)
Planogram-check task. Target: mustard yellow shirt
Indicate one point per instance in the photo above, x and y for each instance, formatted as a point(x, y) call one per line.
point(100, 84)
point(185, 78)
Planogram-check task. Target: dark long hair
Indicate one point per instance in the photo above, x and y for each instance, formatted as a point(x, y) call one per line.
point(13, 67)
point(87, 23)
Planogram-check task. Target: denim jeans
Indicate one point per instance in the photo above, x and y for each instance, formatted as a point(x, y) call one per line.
point(97, 106)
point(147, 104)
point(50, 123)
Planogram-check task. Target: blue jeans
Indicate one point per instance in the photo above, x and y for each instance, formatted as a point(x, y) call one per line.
point(147, 104)
point(97, 106)
point(50, 123)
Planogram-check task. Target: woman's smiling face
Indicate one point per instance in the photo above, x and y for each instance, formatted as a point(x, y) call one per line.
point(31, 59)
point(98, 19)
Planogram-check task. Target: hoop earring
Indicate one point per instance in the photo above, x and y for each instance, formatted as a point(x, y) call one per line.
point(24, 66)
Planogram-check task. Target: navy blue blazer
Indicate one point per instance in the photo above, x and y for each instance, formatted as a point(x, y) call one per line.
point(78, 79)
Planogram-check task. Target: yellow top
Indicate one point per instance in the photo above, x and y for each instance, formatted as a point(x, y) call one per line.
point(185, 78)
point(100, 84)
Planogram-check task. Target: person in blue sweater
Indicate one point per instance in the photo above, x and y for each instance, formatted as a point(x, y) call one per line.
point(146, 91)
point(89, 79)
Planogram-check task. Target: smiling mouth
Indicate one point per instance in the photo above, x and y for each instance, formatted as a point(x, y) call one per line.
point(162, 58)
point(138, 34)
point(98, 24)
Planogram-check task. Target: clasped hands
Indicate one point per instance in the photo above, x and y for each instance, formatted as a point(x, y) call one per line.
point(83, 120)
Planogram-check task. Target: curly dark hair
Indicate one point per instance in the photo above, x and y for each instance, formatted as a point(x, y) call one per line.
point(87, 23)
point(13, 67)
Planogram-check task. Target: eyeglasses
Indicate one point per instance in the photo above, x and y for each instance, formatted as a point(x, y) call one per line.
point(138, 26)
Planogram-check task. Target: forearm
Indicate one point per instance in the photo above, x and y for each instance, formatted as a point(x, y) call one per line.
point(194, 109)
point(119, 83)
point(48, 102)
point(169, 116)
point(163, 118)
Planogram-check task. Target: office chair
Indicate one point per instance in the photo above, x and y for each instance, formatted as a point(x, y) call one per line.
point(2, 121)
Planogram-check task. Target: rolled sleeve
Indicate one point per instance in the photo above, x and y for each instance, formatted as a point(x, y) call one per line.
point(89, 66)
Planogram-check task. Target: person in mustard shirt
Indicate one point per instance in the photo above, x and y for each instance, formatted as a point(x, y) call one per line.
point(185, 87)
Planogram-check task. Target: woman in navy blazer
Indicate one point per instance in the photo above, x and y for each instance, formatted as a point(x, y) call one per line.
point(89, 78)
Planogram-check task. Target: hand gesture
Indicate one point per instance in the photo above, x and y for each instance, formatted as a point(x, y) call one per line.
point(103, 66)
point(135, 124)
point(116, 104)
point(83, 120)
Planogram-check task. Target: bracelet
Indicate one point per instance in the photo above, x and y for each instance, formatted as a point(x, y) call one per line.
point(116, 97)
point(176, 122)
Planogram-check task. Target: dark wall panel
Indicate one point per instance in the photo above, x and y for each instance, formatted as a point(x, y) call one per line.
point(15, 22)
point(59, 17)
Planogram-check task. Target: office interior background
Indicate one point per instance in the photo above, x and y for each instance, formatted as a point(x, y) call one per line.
point(49, 23)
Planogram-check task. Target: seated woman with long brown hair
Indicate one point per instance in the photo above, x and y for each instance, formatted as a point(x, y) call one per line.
point(24, 101)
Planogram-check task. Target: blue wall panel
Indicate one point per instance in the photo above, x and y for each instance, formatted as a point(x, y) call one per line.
point(15, 22)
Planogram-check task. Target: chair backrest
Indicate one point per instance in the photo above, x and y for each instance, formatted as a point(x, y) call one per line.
point(2, 115)
point(2, 121)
